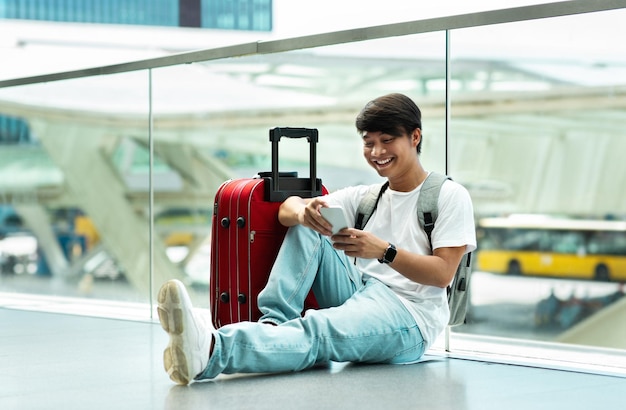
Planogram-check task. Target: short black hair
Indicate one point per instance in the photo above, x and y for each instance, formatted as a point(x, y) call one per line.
point(393, 114)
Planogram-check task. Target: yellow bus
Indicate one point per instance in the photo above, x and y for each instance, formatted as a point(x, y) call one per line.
point(548, 246)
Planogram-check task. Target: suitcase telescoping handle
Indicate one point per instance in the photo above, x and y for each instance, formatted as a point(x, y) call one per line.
point(281, 188)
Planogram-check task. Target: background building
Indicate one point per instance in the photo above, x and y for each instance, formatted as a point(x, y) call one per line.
point(254, 15)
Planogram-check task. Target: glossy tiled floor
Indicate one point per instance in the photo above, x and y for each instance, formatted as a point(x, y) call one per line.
point(56, 361)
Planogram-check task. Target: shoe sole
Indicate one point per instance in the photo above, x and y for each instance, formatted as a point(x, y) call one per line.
point(171, 317)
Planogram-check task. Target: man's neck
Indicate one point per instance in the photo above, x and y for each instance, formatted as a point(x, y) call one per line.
point(410, 180)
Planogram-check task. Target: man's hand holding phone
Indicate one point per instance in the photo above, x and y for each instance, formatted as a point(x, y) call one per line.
point(336, 217)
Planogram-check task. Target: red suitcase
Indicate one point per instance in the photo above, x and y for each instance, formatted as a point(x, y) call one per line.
point(246, 234)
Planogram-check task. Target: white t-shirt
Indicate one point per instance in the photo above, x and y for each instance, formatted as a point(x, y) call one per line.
point(395, 220)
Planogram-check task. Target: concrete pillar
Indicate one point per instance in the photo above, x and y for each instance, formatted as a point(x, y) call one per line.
point(101, 194)
point(36, 219)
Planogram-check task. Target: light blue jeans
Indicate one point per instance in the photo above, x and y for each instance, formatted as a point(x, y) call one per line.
point(357, 321)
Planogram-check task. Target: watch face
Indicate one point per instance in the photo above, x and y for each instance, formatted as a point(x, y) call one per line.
point(390, 254)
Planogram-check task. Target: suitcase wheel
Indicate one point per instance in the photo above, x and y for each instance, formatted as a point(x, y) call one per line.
point(241, 222)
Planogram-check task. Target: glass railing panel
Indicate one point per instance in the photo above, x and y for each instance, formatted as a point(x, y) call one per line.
point(537, 133)
point(73, 200)
point(212, 122)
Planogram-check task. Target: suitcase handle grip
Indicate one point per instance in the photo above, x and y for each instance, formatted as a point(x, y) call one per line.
point(311, 134)
point(277, 133)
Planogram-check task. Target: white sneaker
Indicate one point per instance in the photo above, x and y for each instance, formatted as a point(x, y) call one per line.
point(191, 333)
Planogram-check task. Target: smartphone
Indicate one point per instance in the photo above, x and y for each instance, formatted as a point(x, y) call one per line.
point(336, 217)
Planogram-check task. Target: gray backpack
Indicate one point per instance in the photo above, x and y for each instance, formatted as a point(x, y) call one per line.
point(427, 211)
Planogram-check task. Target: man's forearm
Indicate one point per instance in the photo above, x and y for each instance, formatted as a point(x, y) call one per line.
point(290, 209)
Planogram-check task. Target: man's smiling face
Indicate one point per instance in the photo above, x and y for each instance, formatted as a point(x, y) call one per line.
point(390, 155)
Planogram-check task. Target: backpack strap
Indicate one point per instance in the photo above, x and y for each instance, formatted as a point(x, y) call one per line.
point(368, 204)
point(427, 209)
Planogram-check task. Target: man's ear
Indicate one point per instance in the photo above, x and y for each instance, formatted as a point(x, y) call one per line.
point(416, 137)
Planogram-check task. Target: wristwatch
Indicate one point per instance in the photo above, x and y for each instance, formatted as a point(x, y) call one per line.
point(389, 255)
